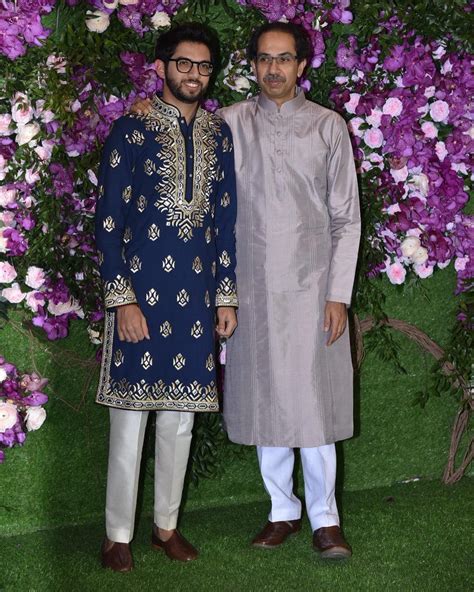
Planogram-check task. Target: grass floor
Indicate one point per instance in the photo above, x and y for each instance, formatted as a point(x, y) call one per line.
point(415, 536)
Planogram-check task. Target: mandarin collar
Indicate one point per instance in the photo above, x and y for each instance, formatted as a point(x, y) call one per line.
point(288, 108)
point(170, 111)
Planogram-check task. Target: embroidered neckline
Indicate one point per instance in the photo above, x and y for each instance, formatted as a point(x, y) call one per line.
point(170, 111)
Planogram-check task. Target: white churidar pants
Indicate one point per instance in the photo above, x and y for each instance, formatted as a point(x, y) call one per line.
point(319, 471)
point(172, 443)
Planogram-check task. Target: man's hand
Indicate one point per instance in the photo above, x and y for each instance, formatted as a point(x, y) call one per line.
point(131, 324)
point(226, 321)
point(141, 106)
point(335, 320)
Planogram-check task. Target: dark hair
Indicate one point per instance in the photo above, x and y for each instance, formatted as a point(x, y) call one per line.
point(193, 32)
point(304, 49)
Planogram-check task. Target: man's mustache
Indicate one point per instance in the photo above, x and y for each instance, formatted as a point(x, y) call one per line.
point(273, 78)
point(192, 80)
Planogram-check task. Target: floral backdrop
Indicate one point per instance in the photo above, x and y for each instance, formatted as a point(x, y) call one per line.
point(399, 72)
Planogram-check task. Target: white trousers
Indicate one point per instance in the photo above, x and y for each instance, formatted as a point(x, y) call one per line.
point(172, 442)
point(319, 472)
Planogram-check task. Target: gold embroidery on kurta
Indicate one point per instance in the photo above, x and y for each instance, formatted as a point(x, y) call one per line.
point(146, 361)
point(153, 232)
point(136, 138)
point(141, 203)
point(210, 362)
point(197, 265)
point(115, 158)
point(127, 194)
point(152, 297)
point(168, 263)
point(118, 291)
point(179, 361)
point(109, 224)
point(118, 358)
point(197, 330)
point(226, 294)
point(127, 235)
point(182, 297)
point(166, 329)
point(135, 264)
point(225, 200)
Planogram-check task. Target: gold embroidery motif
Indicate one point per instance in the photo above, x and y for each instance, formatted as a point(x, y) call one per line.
point(141, 203)
point(197, 265)
point(210, 362)
point(100, 193)
point(153, 232)
point(168, 263)
point(135, 264)
point(166, 329)
point(226, 145)
point(109, 224)
point(224, 259)
point(213, 269)
point(127, 194)
point(149, 167)
point(127, 235)
point(208, 235)
point(146, 361)
point(179, 361)
point(182, 297)
point(225, 200)
point(226, 293)
point(152, 297)
point(118, 358)
point(119, 291)
point(114, 158)
point(207, 299)
point(197, 330)
point(100, 257)
point(136, 138)
point(184, 215)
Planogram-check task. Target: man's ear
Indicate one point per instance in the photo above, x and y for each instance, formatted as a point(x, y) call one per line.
point(160, 68)
point(301, 67)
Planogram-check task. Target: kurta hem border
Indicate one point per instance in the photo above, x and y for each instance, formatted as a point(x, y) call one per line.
point(157, 405)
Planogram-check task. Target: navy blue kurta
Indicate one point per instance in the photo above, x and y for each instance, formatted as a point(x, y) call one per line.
point(165, 236)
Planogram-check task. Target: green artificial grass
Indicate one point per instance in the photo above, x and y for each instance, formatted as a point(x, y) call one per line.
point(58, 477)
point(408, 537)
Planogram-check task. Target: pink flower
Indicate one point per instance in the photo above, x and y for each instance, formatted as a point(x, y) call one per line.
point(392, 107)
point(373, 137)
point(35, 277)
point(399, 175)
point(13, 294)
point(460, 263)
point(7, 197)
point(439, 111)
point(31, 176)
point(429, 129)
point(34, 300)
point(5, 121)
point(423, 271)
point(441, 151)
point(374, 118)
point(396, 273)
point(8, 416)
point(354, 125)
point(352, 103)
point(22, 113)
point(7, 273)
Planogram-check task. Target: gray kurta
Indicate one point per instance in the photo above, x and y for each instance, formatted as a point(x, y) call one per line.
point(298, 229)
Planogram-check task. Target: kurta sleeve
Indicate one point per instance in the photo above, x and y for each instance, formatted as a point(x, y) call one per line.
point(224, 223)
point(344, 213)
point(113, 204)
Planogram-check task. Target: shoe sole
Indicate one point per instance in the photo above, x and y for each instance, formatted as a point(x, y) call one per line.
point(335, 553)
point(263, 546)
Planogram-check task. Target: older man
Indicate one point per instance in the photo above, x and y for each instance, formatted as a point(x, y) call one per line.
point(289, 373)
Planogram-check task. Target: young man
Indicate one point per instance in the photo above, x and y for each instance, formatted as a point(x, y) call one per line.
point(289, 374)
point(165, 236)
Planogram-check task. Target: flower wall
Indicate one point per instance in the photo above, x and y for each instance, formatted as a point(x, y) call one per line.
point(71, 68)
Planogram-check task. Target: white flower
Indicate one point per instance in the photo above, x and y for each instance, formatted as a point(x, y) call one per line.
point(241, 84)
point(422, 183)
point(22, 113)
point(33, 302)
point(35, 277)
point(5, 121)
point(3, 375)
point(13, 294)
point(128, 2)
point(98, 21)
point(7, 273)
point(94, 336)
point(420, 256)
point(35, 417)
point(61, 308)
point(8, 416)
point(410, 245)
point(25, 133)
point(160, 19)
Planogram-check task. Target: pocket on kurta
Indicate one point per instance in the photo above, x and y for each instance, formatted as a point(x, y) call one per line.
point(298, 261)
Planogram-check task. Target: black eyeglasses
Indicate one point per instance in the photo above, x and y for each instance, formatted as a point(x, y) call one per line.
point(184, 65)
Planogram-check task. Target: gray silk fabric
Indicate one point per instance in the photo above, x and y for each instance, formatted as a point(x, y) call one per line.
point(298, 229)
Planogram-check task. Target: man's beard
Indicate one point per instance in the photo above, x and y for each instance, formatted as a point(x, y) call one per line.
point(179, 93)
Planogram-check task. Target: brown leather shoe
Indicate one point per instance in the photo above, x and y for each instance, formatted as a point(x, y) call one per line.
point(276, 533)
point(176, 547)
point(330, 543)
point(116, 556)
